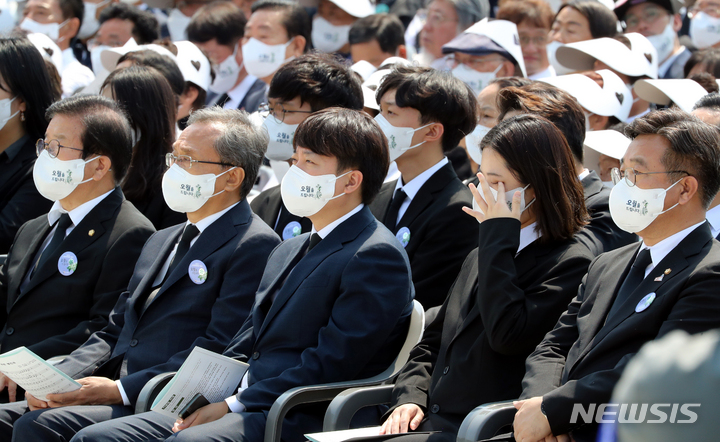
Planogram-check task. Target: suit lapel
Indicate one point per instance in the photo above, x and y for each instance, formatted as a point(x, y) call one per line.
point(28, 259)
point(345, 232)
point(425, 195)
point(592, 185)
point(381, 203)
point(79, 239)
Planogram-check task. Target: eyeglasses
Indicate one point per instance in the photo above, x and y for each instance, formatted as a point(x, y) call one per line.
point(479, 64)
point(631, 175)
point(537, 41)
point(436, 19)
point(52, 147)
point(278, 114)
point(186, 161)
point(711, 9)
point(649, 16)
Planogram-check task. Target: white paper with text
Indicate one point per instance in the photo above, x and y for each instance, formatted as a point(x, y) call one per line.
point(34, 374)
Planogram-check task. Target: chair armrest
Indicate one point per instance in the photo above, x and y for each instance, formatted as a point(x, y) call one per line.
point(342, 409)
point(150, 391)
point(303, 395)
point(484, 421)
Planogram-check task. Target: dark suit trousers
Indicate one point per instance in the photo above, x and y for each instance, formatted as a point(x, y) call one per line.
point(17, 423)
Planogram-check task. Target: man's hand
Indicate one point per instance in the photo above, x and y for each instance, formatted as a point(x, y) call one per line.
point(34, 403)
point(403, 419)
point(208, 413)
point(6, 382)
point(94, 391)
point(530, 424)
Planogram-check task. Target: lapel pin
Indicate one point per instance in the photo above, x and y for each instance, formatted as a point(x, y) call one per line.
point(667, 271)
point(659, 278)
point(91, 232)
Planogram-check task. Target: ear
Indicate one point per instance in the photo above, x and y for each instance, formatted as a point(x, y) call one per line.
point(677, 22)
point(73, 27)
point(435, 132)
point(688, 189)
point(22, 106)
point(99, 168)
point(355, 179)
point(235, 179)
point(598, 122)
point(296, 48)
point(189, 96)
point(402, 51)
point(507, 70)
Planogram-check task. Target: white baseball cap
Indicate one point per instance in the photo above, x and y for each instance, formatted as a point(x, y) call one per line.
point(369, 98)
point(639, 61)
point(110, 57)
point(683, 92)
point(356, 8)
point(193, 64)
point(607, 142)
point(505, 34)
point(364, 68)
point(374, 80)
point(587, 92)
point(615, 87)
point(48, 49)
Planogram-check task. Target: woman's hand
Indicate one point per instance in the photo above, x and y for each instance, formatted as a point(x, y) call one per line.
point(493, 208)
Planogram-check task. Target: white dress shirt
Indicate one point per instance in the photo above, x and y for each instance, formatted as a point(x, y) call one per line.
point(713, 217)
point(665, 66)
point(660, 250)
point(528, 235)
point(237, 94)
point(232, 402)
point(201, 226)
point(413, 187)
point(74, 75)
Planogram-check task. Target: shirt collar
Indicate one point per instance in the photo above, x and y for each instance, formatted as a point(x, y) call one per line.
point(68, 57)
point(208, 220)
point(77, 214)
point(713, 217)
point(15, 147)
point(325, 231)
point(413, 187)
point(584, 174)
point(660, 250)
point(528, 234)
point(665, 66)
point(239, 92)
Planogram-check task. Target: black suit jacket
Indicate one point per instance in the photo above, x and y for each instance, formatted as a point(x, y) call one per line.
point(441, 234)
point(498, 310)
point(582, 358)
point(677, 68)
point(183, 315)
point(250, 102)
point(601, 234)
point(19, 199)
point(269, 204)
point(56, 314)
point(339, 312)
point(158, 212)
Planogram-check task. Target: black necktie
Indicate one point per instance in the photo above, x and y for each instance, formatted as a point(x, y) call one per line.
point(314, 240)
point(392, 213)
point(62, 225)
point(634, 277)
point(224, 98)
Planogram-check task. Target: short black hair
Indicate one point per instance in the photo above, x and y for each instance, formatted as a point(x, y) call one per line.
point(694, 147)
point(708, 59)
point(106, 130)
point(603, 22)
point(146, 28)
point(438, 96)
point(164, 64)
point(551, 103)
point(72, 9)
point(219, 20)
point(295, 20)
point(318, 79)
point(386, 29)
point(706, 80)
point(352, 137)
point(709, 101)
point(26, 76)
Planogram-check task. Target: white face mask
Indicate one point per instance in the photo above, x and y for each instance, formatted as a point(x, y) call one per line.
point(476, 80)
point(90, 24)
point(280, 147)
point(261, 59)
point(177, 22)
point(508, 198)
point(6, 111)
point(55, 179)
point(304, 194)
point(633, 208)
point(472, 142)
point(399, 138)
point(327, 37)
point(664, 42)
point(97, 65)
point(226, 73)
point(704, 30)
point(587, 122)
point(52, 30)
point(187, 193)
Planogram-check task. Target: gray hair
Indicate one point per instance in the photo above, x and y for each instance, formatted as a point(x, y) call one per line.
point(470, 12)
point(240, 143)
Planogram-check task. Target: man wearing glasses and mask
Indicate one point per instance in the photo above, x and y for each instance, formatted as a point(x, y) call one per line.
point(65, 270)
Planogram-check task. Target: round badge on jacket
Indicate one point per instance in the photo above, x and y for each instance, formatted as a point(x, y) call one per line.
point(67, 264)
point(403, 235)
point(197, 270)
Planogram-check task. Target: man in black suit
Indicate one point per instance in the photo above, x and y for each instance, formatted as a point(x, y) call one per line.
point(193, 285)
point(602, 234)
point(332, 306)
point(424, 207)
point(217, 29)
point(639, 292)
point(66, 270)
point(294, 95)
